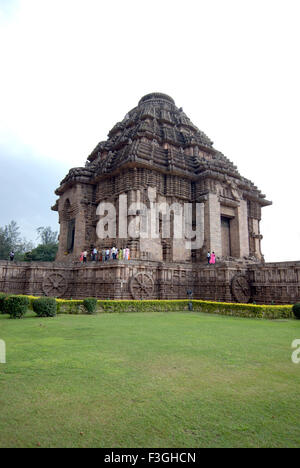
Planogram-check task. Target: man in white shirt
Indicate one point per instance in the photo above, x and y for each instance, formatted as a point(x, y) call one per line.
point(94, 254)
point(208, 257)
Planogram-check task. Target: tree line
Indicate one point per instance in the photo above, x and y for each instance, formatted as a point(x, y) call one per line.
point(11, 240)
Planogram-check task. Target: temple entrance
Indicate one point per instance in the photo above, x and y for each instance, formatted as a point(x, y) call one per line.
point(71, 235)
point(226, 240)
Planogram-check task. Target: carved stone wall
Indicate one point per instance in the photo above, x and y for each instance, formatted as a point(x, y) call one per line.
point(277, 283)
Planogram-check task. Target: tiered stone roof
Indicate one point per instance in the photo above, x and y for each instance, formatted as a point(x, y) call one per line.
point(158, 135)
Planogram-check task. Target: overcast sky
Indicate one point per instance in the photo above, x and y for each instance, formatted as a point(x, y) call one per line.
point(71, 69)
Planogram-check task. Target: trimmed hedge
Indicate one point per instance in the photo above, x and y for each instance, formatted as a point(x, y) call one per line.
point(92, 305)
point(222, 308)
point(16, 306)
point(73, 307)
point(44, 306)
point(244, 310)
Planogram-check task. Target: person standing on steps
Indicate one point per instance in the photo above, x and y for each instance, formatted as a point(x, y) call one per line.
point(85, 254)
point(212, 258)
point(127, 253)
point(94, 254)
point(208, 258)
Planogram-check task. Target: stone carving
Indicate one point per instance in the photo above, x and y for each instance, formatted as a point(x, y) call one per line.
point(55, 284)
point(241, 288)
point(234, 189)
point(141, 286)
point(274, 283)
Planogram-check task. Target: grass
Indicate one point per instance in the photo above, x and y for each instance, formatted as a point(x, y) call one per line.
point(149, 380)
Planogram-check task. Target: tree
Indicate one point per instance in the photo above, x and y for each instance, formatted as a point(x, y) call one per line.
point(5, 245)
point(42, 253)
point(47, 236)
point(10, 239)
point(46, 251)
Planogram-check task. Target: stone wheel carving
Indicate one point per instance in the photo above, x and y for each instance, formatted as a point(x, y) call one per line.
point(55, 285)
point(141, 286)
point(241, 288)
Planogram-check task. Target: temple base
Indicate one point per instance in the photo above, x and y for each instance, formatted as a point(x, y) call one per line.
point(277, 283)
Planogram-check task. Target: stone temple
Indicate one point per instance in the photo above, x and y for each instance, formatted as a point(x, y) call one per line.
point(153, 165)
point(157, 146)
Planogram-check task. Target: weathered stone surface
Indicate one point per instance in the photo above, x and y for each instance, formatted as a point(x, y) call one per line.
point(277, 283)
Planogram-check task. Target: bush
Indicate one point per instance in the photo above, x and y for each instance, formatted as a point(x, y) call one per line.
point(72, 307)
point(2, 299)
point(273, 312)
point(44, 306)
point(296, 310)
point(90, 305)
point(16, 306)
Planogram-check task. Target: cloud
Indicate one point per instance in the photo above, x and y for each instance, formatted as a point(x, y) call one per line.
point(27, 186)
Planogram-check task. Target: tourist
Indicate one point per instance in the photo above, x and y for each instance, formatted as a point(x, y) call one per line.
point(120, 255)
point(94, 254)
point(212, 259)
point(107, 254)
point(81, 257)
point(114, 253)
point(85, 254)
point(103, 255)
point(12, 255)
point(208, 257)
point(127, 254)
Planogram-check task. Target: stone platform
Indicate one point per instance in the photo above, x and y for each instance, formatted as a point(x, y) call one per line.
point(277, 283)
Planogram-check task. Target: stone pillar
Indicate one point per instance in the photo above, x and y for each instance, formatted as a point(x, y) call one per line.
point(80, 225)
point(133, 243)
point(63, 235)
point(242, 214)
point(239, 231)
point(212, 216)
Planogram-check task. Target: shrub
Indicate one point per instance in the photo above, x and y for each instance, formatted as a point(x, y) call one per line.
point(73, 307)
point(16, 306)
point(44, 307)
point(90, 305)
point(2, 299)
point(296, 310)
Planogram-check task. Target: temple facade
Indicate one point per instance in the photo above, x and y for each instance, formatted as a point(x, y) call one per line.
point(156, 161)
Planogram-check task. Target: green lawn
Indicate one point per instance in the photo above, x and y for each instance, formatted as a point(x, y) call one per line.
point(149, 380)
